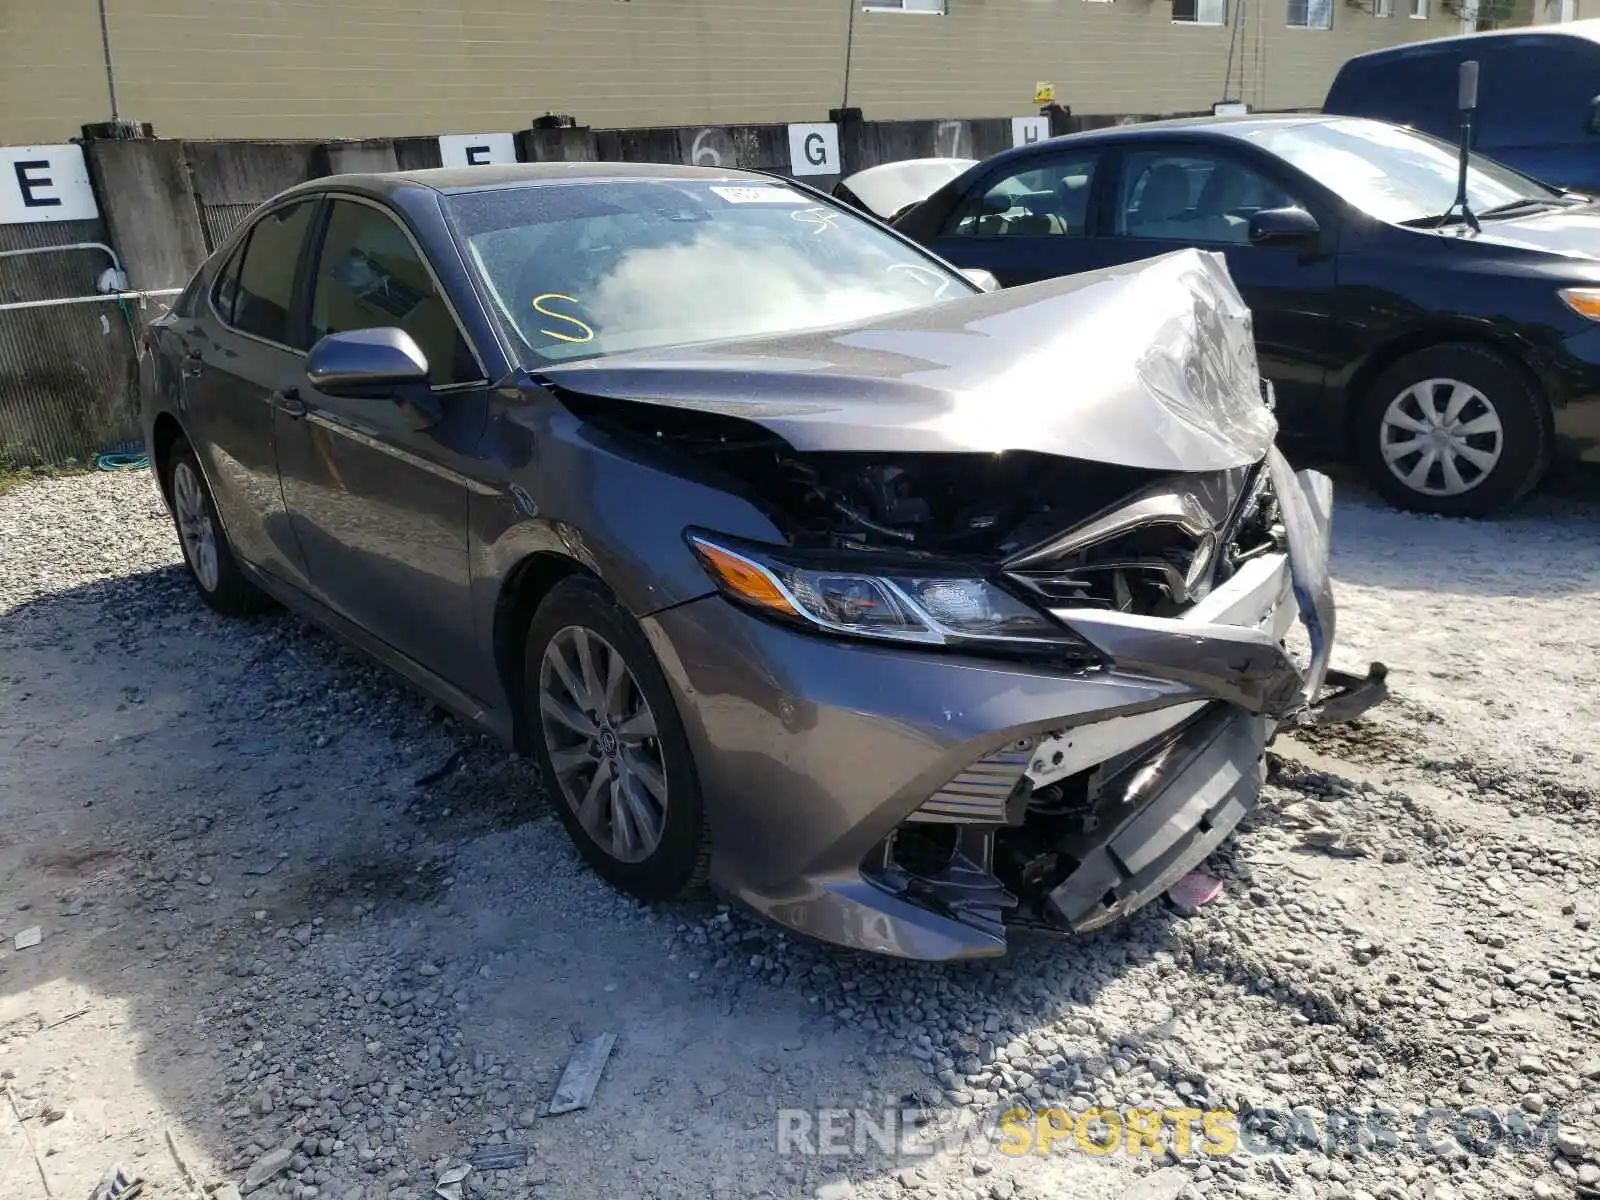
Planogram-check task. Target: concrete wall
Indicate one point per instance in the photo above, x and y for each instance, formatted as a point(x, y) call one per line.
point(380, 68)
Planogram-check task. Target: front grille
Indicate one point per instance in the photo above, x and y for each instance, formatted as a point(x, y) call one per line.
point(979, 793)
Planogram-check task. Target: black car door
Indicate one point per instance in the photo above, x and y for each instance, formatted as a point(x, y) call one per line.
point(1168, 196)
point(239, 356)
point(380, 507)
point(1029, 219)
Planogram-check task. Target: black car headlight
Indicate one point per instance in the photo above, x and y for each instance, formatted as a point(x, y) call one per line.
point(903, 603)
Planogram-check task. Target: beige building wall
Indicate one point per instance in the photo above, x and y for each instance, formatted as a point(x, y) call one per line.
point(52, 69)
point(358, 68)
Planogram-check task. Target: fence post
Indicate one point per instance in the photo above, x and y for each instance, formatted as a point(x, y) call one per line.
point(142, 185)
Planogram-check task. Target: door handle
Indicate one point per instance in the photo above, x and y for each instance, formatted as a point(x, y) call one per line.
point(288, 401)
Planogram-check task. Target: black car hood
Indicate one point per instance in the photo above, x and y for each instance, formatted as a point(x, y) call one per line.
point(1150, 365)
point(1565, 232)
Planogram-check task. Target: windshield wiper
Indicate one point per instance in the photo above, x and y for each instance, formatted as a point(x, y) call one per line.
point(1524, 203)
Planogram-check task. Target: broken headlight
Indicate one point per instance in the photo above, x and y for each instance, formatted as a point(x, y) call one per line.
point(907, 603)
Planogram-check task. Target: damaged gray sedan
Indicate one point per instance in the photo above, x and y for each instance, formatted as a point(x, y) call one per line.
point(901, 612)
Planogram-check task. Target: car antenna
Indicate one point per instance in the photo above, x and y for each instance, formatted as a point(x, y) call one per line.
point(1467, 102)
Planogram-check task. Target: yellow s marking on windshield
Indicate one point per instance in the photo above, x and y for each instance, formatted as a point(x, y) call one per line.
point(586, 334)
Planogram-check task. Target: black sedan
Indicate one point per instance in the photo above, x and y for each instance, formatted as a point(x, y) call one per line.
point(1445, 352)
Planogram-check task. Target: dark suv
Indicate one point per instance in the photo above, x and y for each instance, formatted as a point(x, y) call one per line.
point(1537, 95)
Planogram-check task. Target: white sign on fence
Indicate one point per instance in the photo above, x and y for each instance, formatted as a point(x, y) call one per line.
point(1027, 130)
point(476, 149)
point(45, 183)
point(814, 150)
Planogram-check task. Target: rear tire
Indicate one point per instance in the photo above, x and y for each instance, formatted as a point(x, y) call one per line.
point(610, 744)
point(209, 558)
point(1459, 430)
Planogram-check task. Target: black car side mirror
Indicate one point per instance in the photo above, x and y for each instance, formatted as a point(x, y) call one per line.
point(1283, 227)
point(1594, 115)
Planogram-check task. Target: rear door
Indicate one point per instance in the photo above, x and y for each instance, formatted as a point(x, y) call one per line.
point(1202, 194)
point(239, 358)
point(1028, 220)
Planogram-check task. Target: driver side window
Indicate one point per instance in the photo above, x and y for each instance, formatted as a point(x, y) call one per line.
point(1048, 199)
point(370, 275)
point(1194, 197)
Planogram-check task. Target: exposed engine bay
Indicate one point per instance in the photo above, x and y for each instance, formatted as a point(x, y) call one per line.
point(1067, 531)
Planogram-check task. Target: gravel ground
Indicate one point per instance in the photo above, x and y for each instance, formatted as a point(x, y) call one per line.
point(266, 926)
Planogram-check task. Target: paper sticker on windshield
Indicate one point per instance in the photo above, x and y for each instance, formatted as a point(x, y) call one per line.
point(760, 195)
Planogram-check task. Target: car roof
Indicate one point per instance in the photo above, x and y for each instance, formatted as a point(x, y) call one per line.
point(1214, 128)
point(1583, 30)
point(492, 177)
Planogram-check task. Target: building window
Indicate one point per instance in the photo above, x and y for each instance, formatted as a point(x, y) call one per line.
point(1200, 12)
point(1311, 14)
point(932, 8)
point(1383, 8)
point(1419, 10)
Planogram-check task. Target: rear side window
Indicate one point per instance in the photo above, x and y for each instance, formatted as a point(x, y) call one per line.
point(267, 274)
point(1049, 197)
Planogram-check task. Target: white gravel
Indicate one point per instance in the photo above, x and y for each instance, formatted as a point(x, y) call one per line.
point(260, 933)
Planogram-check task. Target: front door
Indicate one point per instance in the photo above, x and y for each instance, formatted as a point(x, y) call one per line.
point(380, 508)
point(1203, 196)
point(241, 355)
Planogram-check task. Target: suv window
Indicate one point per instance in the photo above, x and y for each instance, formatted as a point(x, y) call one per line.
point(1191, 196)
point(1050, 197)
point(266, 276)
point(369, 276)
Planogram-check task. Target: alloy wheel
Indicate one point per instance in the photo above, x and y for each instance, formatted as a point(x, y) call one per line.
point(601, 738)
point(1441, 437)
point(195, 526)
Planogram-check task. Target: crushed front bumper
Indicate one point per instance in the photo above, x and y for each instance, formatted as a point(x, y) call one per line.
point(916, 804)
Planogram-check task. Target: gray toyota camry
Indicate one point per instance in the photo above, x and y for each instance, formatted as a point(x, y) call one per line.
point(903, 611)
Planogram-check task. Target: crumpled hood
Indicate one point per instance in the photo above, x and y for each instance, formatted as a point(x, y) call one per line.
point(1150, 365)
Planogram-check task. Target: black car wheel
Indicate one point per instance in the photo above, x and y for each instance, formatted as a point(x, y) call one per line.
point(210, 560)
point(1459, 430)
point(611, 746)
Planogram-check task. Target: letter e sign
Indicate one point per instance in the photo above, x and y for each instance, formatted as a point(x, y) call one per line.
point(814, 149)
point(476, 149)
point(45, 183)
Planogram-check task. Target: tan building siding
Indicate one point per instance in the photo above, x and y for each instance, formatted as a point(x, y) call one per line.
point(52, 70)
point(360, 68)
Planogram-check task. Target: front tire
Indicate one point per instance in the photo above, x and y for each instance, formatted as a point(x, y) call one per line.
point(1459, 430)
point(213, 569)
point(610, 744)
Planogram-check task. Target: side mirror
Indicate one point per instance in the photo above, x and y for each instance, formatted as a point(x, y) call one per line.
point(1282, 227)
point(984, 279)
point(376, 364)
point(366, 364)
point(1594, 115)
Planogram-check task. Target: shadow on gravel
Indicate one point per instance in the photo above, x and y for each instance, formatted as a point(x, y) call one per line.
point(280, 938)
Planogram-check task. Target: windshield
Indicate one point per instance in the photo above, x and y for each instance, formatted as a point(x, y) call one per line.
point(577, 270)
point(1392, 173)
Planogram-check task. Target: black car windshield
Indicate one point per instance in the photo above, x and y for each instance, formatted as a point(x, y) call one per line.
point(1392, 173)
point(581, 269)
